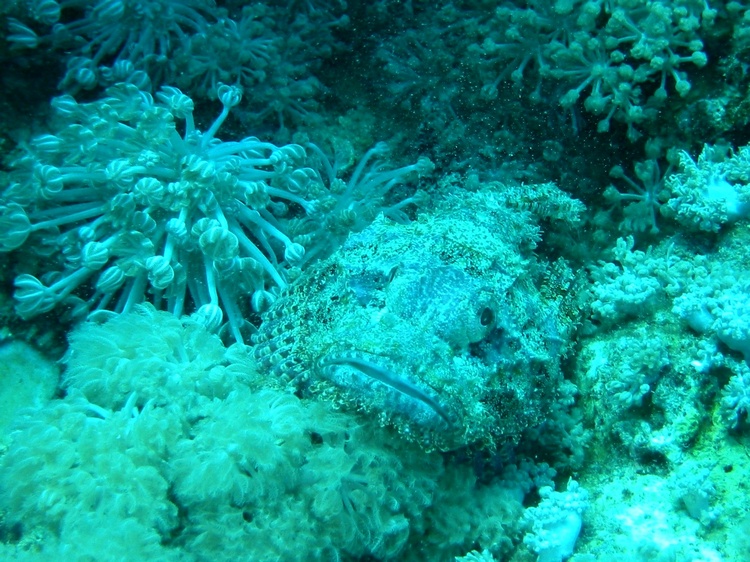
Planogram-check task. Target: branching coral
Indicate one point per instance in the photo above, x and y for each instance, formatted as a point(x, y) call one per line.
point(273, 51)
point(626, 368)
point(191, 44)
point(712, 191)
point(630, 285)
point(642, 202)
point(114, 31)
point(734, 407)
point(618, 57)
point(556, 522)
point(228, 51)
point(120, 196)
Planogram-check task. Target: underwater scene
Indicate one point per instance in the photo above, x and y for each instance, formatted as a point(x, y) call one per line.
point(387, 280)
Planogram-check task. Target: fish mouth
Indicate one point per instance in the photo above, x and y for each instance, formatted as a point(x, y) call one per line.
point(376, 384)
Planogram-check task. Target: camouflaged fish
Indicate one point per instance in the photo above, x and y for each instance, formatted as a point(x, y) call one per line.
point(435, 328)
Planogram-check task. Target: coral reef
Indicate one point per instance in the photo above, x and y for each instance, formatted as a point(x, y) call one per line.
point(359, 281)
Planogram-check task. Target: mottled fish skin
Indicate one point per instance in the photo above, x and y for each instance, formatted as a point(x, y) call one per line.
point(430, 327)
point(445, 300)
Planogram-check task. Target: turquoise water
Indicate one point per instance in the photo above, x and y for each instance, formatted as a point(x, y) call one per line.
point(374, 281)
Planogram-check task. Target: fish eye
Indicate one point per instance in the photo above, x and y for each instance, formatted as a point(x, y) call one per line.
point(486, 316)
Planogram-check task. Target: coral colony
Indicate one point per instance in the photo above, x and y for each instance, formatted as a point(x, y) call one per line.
point(375, 281)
